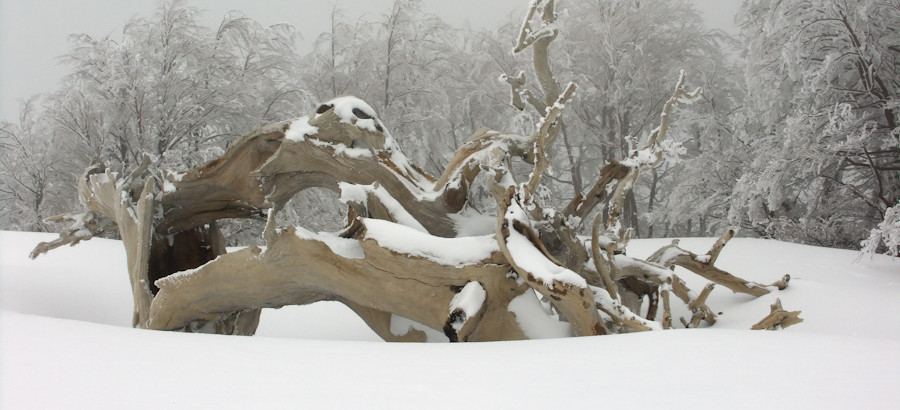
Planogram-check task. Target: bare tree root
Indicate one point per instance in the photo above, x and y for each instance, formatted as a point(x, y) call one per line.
point(698, 308)
point(704, 265)
point(380, 322)
point(565, 289)
point(182, 278)
point(82, 227)
point(297, 271)
point(778, 318)
point(659, 279)
point(620, 314)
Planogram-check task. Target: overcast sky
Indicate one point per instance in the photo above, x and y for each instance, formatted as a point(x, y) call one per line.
point(33, 33)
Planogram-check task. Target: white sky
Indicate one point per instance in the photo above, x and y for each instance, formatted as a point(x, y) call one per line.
point(33, 33)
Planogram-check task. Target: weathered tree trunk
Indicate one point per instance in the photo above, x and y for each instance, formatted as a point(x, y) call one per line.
point(398, 255)
point(183, 280)
point(152, 256)
point(295, 271)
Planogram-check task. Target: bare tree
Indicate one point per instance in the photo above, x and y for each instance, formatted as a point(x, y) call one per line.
point(401, 253)
point(30, 171)
point(175, 89)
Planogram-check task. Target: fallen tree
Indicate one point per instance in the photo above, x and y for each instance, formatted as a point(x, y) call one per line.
point(399, 256)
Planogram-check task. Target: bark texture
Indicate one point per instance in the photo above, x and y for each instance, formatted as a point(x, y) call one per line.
point(534, 267)
point(182, 279)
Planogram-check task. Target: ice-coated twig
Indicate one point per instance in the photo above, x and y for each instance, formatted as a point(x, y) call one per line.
point(680, 95)
point(647, 157)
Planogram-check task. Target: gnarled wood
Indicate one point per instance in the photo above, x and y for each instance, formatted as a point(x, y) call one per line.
point(778, 318)
point(703, 265)
point(224, 187)
point(575, 302)
point(296, 271)
point(102, 192)
point(133, 205)
point(182, 279)
point(82, 227)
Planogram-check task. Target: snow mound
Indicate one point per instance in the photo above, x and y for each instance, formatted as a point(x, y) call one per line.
point(467, 303)
point(66, 341)
point(446, 251)
point(352, 110)
point(299, 129)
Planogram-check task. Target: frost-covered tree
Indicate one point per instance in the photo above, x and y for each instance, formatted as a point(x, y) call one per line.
point(333, 67)
point(622, 53)
point(402, 63)
point(694, 195)
point(411, 258)
point(31, 172)
point(175, 89)
point(886, 235)
point(169, 87)
point(821, 119)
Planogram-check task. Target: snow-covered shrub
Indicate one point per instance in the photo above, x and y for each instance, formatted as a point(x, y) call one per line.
point(886, 236)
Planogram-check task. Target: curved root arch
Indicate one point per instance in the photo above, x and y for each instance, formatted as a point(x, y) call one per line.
point(398, 256)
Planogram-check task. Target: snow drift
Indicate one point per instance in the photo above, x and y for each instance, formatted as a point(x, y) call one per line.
point(66, 342)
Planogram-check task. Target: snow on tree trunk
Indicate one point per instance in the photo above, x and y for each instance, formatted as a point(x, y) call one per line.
point(400, 256)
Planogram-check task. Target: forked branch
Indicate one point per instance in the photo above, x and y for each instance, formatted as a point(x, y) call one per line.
point(704, 265)
point(778, 318)
point(544, 138)
point(82, 226)
point(182, 279)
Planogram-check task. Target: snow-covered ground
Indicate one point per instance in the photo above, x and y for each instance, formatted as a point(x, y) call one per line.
point(66, 342)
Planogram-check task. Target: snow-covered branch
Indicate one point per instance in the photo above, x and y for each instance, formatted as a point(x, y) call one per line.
point(704, 265)
point(401, 256)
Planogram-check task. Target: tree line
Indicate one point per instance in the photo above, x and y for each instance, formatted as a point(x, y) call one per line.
point(795, 136)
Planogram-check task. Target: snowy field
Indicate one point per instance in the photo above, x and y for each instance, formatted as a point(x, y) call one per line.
point(66, 342)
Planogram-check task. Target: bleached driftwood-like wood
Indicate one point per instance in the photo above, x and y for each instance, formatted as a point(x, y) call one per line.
point(582, 205)
point(575, 302)
point(182, 278)
point(296, 271)
point(224, 187)
point(545, 137)
point(202, 289)
point(102, 192)
point(263, 170)
point(130, 205)
point(516, 85)
point(539, 40)
point(224, 292)
point(606, 268)
point(82, 227)
point(778, 318)
point(703, 265)
point(699, 309)
point(667, 311)
point(657, 276)
point(298, 165)
point(620, 314)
